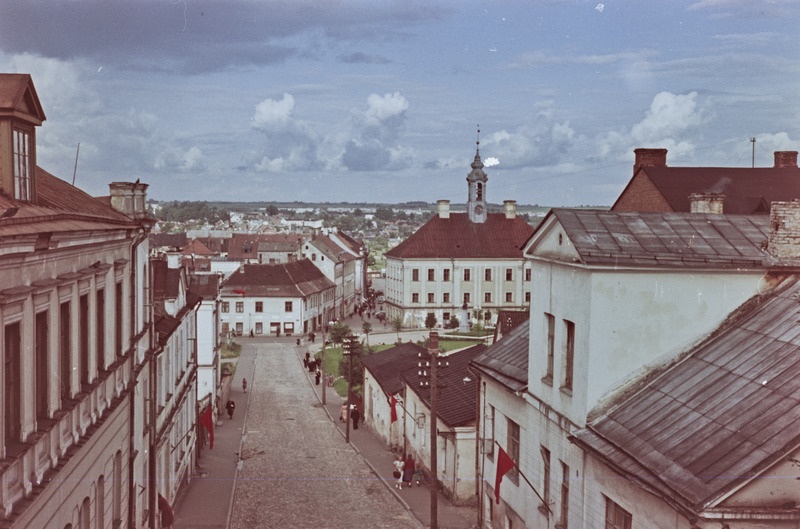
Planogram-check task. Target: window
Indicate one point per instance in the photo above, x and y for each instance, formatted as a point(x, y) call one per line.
point(466, 297)
point(431, 274)
point(569, 354)
point(431, 297)
point(22, 165)
point(487, 297)
point(490, 431)
point(118, 321)
point(467, 276)
point(509, 274)
point(564, 517)
point(617, 517)
point(446, 297)
point(226, 307)
point(100, 331)
point(259, 327)
point(42, 369)
point(513, 449)
point(240, 306)
point(287, 306)
point(550, 321)
point(11, 358)
point(545, 475)
point(313, 256)
point(415, 274)
point(527, 297)
point(446, 316)
point(259, 306)
point(64, 339)
point(446, 274)
point(509, 297)
point(83, 338)
point(239, 328)
point(487, 274)
point(415, 297)
point(527, 274)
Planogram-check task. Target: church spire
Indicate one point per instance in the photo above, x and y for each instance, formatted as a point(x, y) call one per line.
point(476, 186)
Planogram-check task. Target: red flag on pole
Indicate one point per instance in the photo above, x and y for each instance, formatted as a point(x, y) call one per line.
point(393, 404)
point(208, 422)
point(504, 464)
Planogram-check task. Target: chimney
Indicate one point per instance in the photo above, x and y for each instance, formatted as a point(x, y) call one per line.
point(649, 158)
point(706, 203)
point(785, 159)
point(784, 229)
point(510, 208)
point(443, 209)
point(129, 198)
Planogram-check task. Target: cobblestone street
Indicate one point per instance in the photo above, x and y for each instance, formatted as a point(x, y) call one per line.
point(295, 469)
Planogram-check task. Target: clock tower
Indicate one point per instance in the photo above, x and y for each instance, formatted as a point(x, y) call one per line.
point(476, 186)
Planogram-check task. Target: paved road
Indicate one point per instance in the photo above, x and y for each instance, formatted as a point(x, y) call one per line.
point(295, 470)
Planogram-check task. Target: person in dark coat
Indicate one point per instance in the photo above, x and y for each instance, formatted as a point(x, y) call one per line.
point(318, 376)
point(305, 360)
point(355, 415)
point(230, 406)
point(408, 470)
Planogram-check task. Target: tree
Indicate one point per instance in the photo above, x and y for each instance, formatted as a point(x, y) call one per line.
point(454, 323)
point(356, 352)
point(272, 210)
point(366, 328)
point(430, 320)
point(397, 325)
point(339, 331)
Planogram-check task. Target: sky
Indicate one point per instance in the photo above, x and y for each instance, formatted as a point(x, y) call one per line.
point(385, 100)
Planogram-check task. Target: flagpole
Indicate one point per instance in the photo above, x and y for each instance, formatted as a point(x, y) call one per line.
point(526, 479)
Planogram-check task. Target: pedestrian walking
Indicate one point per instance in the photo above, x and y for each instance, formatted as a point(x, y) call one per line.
point(408, 470)
point(305, 360)
point(397, 473)
point(318, 376)
point(244, 385)
point(343, 412)
point(355, 415)
point(230, 406)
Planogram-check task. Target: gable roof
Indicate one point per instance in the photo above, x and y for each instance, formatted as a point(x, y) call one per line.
point(195, 247)
point(456, 400)
point(506, 360)
point(247, 245)
point(171, 240)
point(331, 249)
point(602, 237)
point(388, 365)
point(205, 286)
point(294, 279)
point(18, 97)
point(719, 417)
point(746, 190)
point(459, 238)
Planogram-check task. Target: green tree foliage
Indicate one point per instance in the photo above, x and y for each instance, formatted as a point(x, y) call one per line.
point(366, 328)
point(397, 325)
point(384, 213)
point(177, 211)
point(356, 352)
point(339, 331)
point(430, 320)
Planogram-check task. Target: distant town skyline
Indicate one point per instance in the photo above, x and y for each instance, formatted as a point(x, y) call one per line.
point(362, 101)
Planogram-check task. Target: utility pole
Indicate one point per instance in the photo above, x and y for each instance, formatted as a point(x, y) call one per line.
point(427, 373)
point(753, 141)
point(350, 346)
point(322, 366)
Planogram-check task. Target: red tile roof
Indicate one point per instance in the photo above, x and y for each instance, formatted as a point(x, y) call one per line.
point(459, 238)
point(247, 245)
point(294, 279)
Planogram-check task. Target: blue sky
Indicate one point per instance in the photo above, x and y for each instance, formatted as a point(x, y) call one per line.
point(379, 101)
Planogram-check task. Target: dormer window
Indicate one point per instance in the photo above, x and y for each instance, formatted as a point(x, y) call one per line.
point(22, 165)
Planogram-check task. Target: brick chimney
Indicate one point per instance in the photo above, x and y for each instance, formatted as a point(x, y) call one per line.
point(706, 203)
point(784, 229)
point(649, 158)
point(785, 159)
point(443, 209)
point(510, 208)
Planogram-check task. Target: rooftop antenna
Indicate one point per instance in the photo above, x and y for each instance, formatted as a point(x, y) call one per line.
point(753, 141)
point(75, 171)
point(478, 139)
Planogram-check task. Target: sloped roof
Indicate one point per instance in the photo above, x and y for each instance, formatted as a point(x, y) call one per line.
point(746, 190)
point(604, 237)
point(506, 360)
point(246, 245)
point(720, 416)
point(459, 238)
point(18, 96)
point(294, 279)
point(331, 249)
point(171, 240)
point(205, 286)
point(455, 401)
point(387, 366)
point(509, 319)
point(196, 248)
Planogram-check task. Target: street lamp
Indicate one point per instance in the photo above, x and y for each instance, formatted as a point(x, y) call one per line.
point(427, 378)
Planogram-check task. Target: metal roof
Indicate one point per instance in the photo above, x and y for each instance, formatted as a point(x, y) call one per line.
point(506, 360)
point(717, 418)
point(293, 279)
point(603, 237)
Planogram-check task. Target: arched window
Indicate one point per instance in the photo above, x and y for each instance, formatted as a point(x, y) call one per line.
point(479, 192)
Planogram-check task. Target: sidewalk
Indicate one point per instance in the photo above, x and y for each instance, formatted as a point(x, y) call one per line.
point(205, 501)
point(379, 457)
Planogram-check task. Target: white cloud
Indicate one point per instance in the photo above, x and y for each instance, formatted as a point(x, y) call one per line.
point(271, 113)
point(491, 161)
point(382, 108)
point(669, 115)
